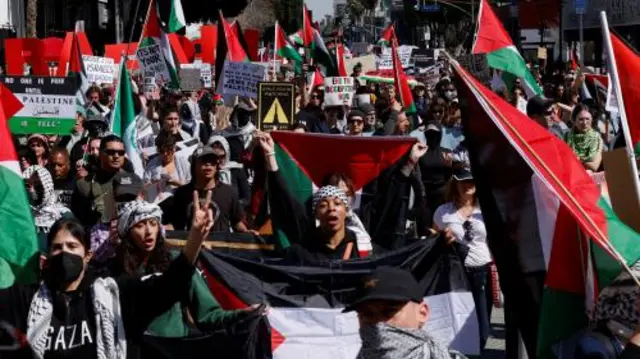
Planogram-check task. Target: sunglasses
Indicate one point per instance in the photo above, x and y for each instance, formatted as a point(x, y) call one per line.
point(467, 226)
point(357, 122)
point(110, 152)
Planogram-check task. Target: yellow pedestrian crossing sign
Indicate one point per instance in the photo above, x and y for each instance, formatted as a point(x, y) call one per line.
point(276, 101)
point(275, 115)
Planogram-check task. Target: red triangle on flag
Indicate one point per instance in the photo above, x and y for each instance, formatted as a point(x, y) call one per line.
point(491, 35)
point(9, 106)
point(362, 158)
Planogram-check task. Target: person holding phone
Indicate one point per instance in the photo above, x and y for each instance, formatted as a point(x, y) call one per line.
point(72, 313)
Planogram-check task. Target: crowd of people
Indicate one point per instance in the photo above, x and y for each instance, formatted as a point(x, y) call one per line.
point(102, 227)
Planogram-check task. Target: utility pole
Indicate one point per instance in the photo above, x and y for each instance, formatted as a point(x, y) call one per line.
point(118, 22)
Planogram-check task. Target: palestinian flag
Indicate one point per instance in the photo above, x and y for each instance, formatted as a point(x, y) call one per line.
point(387, 35)
point(123, 120)
point(492, 39)
point(307, 29)
point(400, 80)
point(19, 245)
point(385, 76)
point(296, 38)
point(342, 70)
point(316, 80)
point(152, 34)
point(306, 301)
point(239, 34)
point(77, 70)
point(364, 159)
point(626, 61)
point(175, 18)
point(285, 50)
point(545, 202)
point(321, 55)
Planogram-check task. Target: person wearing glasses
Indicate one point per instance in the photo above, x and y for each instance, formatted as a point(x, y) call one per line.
point(93, 201)
point(461, 214)
point(543, 111)
point(586, 142)
point(355, 123)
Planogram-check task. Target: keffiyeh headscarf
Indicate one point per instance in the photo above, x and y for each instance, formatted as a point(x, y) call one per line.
point(133, 212)
point(618, 300)
point(329, 191)
point(586, 145)
point(49, 210)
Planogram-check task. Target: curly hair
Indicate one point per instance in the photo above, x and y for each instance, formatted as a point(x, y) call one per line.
point(130, 256)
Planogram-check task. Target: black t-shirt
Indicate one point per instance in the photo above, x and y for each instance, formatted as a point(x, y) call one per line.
point(224, 196)
point(72, 332)
point(64, 189)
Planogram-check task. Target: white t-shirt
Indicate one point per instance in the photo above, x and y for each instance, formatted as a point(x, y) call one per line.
point(447, 216)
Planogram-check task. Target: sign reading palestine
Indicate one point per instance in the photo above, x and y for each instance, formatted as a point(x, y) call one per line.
point(49, 104)
point(276, 102)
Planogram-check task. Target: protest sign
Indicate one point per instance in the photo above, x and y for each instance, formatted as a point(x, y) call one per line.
point(477, 65)
point(368, 63)
point(338, 91)
point(49, 104)
point(190, 79)
point(152, 62)
point(99, 69)
point(276, 102)
point(241, 78)
point(423, 58)
point(385, 61)
point(205, 72)
point(150, 88)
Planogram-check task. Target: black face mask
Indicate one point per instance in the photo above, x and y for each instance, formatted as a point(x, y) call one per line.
point(64, 268)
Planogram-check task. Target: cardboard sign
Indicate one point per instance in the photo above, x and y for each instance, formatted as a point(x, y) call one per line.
point(338, 91)
point(368, 63)
point(276, 105)
point(99, 69)
point(478, 66)
point(241, 78)
point(190, 80)
point(152, 62)
point(49, 104)
point(385, 61)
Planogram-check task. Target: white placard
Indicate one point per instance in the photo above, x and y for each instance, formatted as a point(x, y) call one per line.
point(152, 63)
point(99, 69)
point(338, 91)
point(385, 61)
point(205, 72)
point(241, 78)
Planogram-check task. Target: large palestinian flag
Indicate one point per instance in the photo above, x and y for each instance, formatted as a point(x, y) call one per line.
point(306, 301)
point(306, 159)
point(548, 204)
point(19, 245)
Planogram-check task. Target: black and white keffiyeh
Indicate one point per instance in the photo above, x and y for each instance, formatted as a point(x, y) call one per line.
point(329, 191)
point(133, 212)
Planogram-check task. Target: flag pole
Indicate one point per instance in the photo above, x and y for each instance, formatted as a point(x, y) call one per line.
point(615, 82)
point(275, 49)
point(614, 252)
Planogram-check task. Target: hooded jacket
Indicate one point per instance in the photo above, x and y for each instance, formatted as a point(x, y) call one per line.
point(50, 209)
point(232, 172)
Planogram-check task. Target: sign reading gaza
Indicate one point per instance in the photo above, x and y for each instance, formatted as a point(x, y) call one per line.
point(49, 104)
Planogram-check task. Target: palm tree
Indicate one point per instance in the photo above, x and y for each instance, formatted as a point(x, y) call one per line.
point(32, 17)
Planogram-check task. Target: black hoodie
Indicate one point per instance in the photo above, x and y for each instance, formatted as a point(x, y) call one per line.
point(72, 333)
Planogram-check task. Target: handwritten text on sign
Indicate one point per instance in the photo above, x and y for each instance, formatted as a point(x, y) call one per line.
point(385, 61)
point(338, 91)
point(152, 62)
point(99, 69)
point(241, 78)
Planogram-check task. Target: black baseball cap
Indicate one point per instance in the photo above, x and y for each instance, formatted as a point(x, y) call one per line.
point(538, 105)
point(462, 174)
point(126, 186)
point(355, 113)
point(387, 283)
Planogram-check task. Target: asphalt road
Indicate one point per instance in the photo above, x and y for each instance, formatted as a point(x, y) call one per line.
point(495, 348)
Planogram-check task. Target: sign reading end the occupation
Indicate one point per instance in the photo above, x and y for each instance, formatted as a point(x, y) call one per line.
point(49, 104)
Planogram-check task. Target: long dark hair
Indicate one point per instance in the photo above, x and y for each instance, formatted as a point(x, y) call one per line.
point(130, 256)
